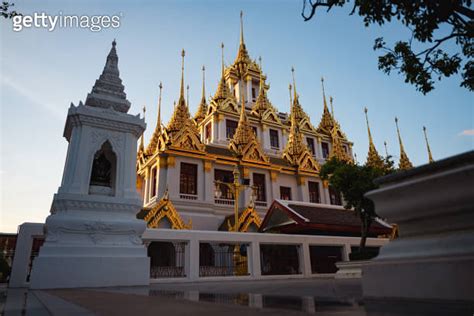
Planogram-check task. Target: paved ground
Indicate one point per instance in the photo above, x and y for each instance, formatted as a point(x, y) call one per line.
point(272, 297)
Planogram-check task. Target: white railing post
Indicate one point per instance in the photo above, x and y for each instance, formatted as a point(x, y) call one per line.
point(255, 260)
point(193, 258)
point(305, 259)
point(346, 250)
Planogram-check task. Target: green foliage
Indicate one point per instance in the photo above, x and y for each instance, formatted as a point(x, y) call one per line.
point(452, 20)
point(6, 10)
point(353, 181)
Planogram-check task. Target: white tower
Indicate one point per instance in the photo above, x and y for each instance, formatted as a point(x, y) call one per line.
point(92, 235)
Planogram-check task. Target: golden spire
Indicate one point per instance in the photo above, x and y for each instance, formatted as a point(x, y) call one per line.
point(158, 122)
point(222, 89)
point(327, 120)
point(187, 95)
point(244, 133)
point(294, 84)
point(404, 162)
point(242, 28)
point(181, 94)
point(181, 110)
point(386, 150)
point(337, 149)
point(153, 145)
point(262, 103)
point(296, 152)
point(373, 157)
point(430, 156)
point(202, 108)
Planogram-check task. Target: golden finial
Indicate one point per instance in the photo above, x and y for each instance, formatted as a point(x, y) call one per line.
point(181, 95)
point(430, 156)
point(222, 55)
point(241, 28)
point(386, 149)
point(159, 108)
point(203, 82)
point(291, 101)
point(294, 83)
point(368, 127)
point(404, 162)
point(324, 94)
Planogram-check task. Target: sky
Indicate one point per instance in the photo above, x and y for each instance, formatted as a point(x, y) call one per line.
point(43, 71)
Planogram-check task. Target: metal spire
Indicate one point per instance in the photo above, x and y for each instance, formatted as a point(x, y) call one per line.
point(386, 150)
point(203, 83)
point(430, 156)
point(158, 123)
point(181, 94)
point(324, 96)
point(242, 28)
point(222, 66)
point(294, 83)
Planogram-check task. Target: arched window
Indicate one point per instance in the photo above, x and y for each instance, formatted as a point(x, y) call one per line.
point(103, 172)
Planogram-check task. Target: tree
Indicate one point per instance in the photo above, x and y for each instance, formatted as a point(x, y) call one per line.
point(353, 181)
point(6, 10)
point(432, 23)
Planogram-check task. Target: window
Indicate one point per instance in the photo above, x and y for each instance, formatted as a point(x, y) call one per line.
point(207, 132)
point(224, 176)
point(254, 95)
point(188, 179)
point(153, 182)
point(335, 196)
point(102, 180)
point(345, 149)
point(259, 183)
point(274, 141)
point(285, 193)
point(325, 147)
point(310, 142)
point(314, 196)
point(230, 126)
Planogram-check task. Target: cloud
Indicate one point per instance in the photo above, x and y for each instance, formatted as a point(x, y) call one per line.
point(467, 132)
point(31, 96)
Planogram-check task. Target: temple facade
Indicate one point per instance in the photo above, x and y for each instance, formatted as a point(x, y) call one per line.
point(277, 154)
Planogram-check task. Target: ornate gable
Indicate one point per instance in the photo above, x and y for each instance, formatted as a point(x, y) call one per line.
point(165, 209)
point(247, 218)
point(188, 138)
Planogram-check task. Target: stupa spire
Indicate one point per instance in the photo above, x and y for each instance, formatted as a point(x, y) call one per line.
point(325, 105)
point(430, 156)
point(404, 162)
point(158, 121)
point(295, 95)
point(327, 120)
point(291, 100)
point(373, 157)
point(108, 90)
point(222, 89)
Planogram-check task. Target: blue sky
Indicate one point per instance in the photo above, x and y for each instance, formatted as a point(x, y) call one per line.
point(43, 72)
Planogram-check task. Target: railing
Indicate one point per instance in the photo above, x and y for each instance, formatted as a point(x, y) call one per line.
point(213, 255)
point(224, 201)
point(188, 196)
point(260, 203)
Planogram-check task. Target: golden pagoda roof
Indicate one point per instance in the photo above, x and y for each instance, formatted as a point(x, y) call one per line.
point(404, 163)
point(296, 152)
point(244, 143)
point(373, 158)
point(181, 111)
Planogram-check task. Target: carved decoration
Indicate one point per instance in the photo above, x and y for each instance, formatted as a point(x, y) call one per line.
point(165, 209)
